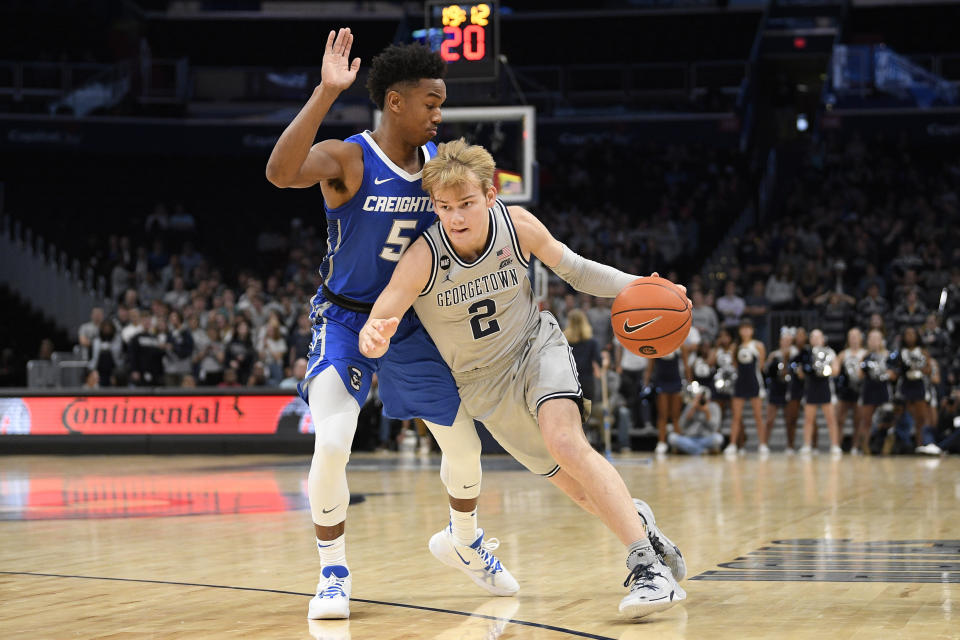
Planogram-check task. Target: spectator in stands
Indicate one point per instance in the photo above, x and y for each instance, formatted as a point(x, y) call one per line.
point(704, 317)
point(178, 360)
point(836, 312)
point(756, 308)
point(871, 304)
point(273, 348)
point(146, 350)
point(91, 380)
point(46, 349)
point(90, 330)
point(190, 259)
point(586, 352)
point(730, 306)
point(871, 277)
point(230, 379)
point(598, 313)
point(909, 313)
point(780, 288)
point(258, 375)
point(188, 382)
point(240, 351)
point(209, 357)
point(300, 338)
point(809, 286)
point(298, 373)
point(178, 297)
point(106, 355)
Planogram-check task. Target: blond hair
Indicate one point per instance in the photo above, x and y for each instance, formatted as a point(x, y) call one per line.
point(453, 164)
point(578, 327)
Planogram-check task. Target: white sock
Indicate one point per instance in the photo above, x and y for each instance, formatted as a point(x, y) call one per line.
point(333, 552)
point(464, 526)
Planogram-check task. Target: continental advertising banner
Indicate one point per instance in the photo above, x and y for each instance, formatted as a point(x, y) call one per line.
point(96, 415)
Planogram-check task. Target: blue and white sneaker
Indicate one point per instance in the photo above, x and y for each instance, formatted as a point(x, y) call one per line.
point(333, 594)
point(475, 560)
point(668, 552)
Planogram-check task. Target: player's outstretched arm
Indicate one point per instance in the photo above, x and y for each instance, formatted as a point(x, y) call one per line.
point(583, 275)
point(295, 160)
point(407, 282)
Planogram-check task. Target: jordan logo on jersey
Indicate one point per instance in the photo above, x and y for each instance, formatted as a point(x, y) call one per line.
point(356, 377)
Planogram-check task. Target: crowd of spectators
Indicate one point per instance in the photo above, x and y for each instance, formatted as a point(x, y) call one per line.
point(865, 235)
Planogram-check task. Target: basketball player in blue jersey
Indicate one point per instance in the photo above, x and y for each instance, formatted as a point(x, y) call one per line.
point(375, 207)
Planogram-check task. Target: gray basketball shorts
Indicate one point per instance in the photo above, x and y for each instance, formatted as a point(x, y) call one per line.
point(507, 396)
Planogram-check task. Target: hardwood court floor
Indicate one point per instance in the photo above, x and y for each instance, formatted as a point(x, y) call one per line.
point(217, 547)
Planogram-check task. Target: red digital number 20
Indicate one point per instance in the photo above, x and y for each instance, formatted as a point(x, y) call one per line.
point(472, 39)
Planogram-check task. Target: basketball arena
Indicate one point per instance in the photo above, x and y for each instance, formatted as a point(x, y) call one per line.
point(384, 319)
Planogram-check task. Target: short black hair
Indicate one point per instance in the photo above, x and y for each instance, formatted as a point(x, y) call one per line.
point(402, 63)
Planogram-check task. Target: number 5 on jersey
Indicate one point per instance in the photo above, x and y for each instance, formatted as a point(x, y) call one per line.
point(396, 244)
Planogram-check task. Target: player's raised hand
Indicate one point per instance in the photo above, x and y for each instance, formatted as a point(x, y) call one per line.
point(375, 336)
point(337, 72)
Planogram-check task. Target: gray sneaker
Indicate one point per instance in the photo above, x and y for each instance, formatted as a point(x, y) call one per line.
point(652, 588)
point(668, 552)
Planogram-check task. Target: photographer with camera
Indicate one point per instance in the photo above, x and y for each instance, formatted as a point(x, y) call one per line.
point(699, 428)
point(947, 433)
point(892, 429)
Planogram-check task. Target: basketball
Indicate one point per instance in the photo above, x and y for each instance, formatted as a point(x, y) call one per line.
point(651, 317)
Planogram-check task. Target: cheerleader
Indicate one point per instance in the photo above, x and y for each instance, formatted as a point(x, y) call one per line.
point(724, 371)
point(778, 378)
point(914, 379)
point(849, 380)
point(795, 391)
point(750, 354)
point(876, 372)
point(667, 380)
point(818, 367)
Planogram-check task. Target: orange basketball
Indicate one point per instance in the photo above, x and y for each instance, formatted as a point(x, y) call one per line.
point(651, 317)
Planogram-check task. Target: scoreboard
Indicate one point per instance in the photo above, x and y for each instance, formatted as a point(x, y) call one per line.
point(467, 36)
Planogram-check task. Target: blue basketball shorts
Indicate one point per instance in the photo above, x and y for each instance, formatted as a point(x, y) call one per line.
point(414, 381)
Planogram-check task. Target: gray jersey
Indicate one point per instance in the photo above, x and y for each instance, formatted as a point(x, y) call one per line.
point(479, 312)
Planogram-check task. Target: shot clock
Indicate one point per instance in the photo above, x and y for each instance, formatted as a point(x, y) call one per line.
point(466, 35)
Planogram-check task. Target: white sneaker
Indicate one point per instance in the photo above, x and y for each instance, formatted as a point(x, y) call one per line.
point(805, 450)
point(475, 560)
point(661, 449)
point(789, 451)
point(424, 448)
point(763, 450)
point(930, 449)
point(836, 451)
point(856, 452)
point(333, 594)
point(669, 553)
point(652, 588)
point(731, 450)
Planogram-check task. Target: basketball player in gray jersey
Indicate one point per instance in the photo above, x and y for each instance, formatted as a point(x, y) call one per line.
point(466, 278)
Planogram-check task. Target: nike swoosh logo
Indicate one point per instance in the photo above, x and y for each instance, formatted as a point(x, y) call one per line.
point(470, 486)
point(628, 328)
point(381, 181)
point(460, 556)
point(328, 510)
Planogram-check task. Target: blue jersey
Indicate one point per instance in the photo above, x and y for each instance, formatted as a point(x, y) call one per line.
point(367, 234)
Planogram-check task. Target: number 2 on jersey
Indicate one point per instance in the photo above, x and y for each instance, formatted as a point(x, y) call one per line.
point(483, 309)
point(399, 242)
